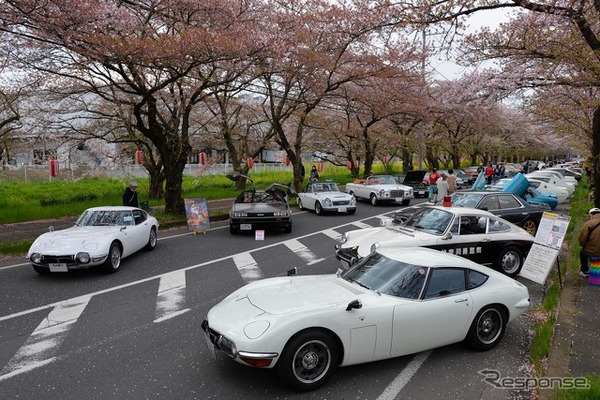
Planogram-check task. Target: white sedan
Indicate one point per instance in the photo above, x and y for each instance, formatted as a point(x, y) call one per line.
point(100, 236)
point(326, 197)
point(394, 302)
point(475, 234)
point(562, 194)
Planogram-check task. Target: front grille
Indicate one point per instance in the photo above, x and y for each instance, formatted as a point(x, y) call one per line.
point(341, 203)
point(397, 193)
point(57, 259)
point(269, 214)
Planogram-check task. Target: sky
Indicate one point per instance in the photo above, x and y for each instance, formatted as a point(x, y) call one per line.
point(448, 70)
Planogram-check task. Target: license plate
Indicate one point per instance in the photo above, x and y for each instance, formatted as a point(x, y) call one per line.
point(399, 199)
point(245, 227)
point(341, 209)
point(422, 192)
point(58, 267)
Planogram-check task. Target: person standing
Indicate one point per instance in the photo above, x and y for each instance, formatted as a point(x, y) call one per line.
point(589, 239)
point(433, 178)
point(489, 174)
point(314, 174)
point(130, 196)
point(451, 179)
point(442, 187)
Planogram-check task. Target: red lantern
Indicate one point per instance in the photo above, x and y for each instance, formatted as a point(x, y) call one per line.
point(385, 159)
point(287, 160)
point(139, 157)
point(320, 167)
point(349, 164)
point(202, 158)
point(250, 162)
point(54, 169)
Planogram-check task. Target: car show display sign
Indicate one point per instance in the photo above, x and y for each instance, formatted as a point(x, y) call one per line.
point(546, 246)
point(196, 211)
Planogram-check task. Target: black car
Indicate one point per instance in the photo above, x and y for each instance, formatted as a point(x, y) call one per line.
point(414, 179)
point(260, 209)
point(505, 205)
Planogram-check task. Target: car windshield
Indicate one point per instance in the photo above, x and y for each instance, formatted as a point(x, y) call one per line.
point(387, 276)
point(105, 217)
point(430, 220)
point(465, 199)
point(325, 187)
point(381, 180)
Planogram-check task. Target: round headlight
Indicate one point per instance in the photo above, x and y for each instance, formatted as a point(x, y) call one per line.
point(35, 258)
point(328, 202)
point(344, 237)
point(375, 246)
point(353, 201)
point(82, 258)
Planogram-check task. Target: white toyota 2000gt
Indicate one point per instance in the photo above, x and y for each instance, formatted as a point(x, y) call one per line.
point(101, 236)
point(326, 197)
point(393, 302)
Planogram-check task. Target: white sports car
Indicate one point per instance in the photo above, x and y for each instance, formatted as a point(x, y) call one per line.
point(394, 302)
point(101, 236)
point(326, 197)
point(475, 234)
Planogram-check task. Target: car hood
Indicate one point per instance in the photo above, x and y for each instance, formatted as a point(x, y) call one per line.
point(285, 295)
point(414, 176)
point(260, 207)
point(365, 238)
point(77, 238)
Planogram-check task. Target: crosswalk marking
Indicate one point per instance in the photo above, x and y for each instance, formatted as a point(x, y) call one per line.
point(302, 251)
point(170, 301)
point(332, 234)
point(40, 348)
point(361, 224)
point(248, 267)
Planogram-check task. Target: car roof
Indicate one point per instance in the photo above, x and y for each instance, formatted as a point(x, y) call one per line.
point(112, 208)
point(427, 257)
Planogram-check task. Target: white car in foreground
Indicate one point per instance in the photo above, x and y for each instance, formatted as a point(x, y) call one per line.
point(392, 303)
point(100, 236)
point(324, 197)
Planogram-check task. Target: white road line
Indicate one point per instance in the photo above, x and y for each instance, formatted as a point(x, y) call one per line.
point(248, 267)
point(361, 224)
point(332, 234)
point(302, 251)
point(39, 349)
point(170, 300)
point(394, 388)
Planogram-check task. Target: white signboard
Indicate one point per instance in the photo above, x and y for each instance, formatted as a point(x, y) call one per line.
point(546, 245)
point(259, 234)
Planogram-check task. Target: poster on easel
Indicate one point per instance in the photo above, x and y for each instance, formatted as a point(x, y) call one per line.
point(196, 211)
point(546, 246)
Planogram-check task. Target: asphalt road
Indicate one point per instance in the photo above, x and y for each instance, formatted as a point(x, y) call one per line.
point(136, 334)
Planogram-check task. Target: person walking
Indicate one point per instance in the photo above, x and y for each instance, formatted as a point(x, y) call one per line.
point(589, 239)
point(451, 179)
point(130, 196)
point(433, 178)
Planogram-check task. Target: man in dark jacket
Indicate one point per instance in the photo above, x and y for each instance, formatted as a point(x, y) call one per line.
point(589, 239)
point(130, 196)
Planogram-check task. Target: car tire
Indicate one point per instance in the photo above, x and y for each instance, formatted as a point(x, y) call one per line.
point(373, 199)
point(405, 202)
point(318, 208)
point(113, 261)
point(487, 328)
point(299, 204)
point(351, 211)
point(510, 261)
point(308, 360)
point(40, 270)
point(530, 226)
point(152, 239)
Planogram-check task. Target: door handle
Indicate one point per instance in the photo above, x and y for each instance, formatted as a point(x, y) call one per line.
point(460, 300)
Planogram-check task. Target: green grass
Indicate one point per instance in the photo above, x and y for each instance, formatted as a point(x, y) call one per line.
point(544, 329)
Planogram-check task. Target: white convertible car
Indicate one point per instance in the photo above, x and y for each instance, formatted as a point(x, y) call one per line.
point(394, 302)
point(475, 234)
point(100, 236)
point(326, 197)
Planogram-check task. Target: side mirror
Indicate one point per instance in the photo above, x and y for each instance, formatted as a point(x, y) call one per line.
point(354, 305)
